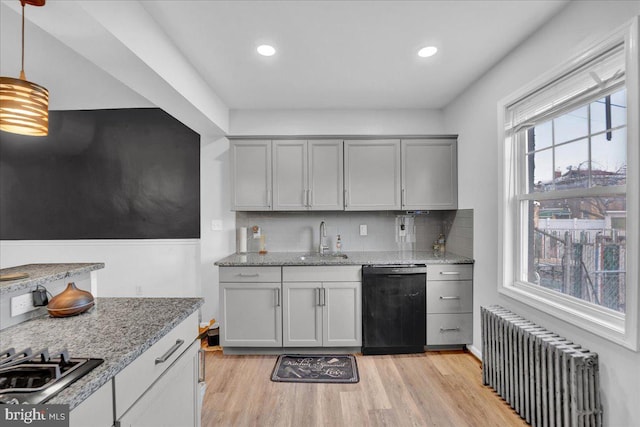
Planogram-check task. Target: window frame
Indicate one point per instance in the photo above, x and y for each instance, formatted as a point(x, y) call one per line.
point(621, 328)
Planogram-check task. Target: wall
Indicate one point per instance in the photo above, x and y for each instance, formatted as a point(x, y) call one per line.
point(102, 174)
point(300, 231)
point(473, 115)
point(335, 122)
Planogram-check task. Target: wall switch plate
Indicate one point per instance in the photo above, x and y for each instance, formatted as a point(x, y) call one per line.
point(363, 229)
point(22, 304)
point(216, 225)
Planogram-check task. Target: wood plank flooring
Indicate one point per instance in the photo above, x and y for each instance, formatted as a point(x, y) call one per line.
point(431, 389)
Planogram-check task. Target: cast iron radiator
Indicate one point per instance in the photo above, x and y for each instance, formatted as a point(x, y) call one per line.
point(547, 379)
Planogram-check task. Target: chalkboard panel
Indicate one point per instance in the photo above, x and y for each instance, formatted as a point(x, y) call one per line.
point(101, 174)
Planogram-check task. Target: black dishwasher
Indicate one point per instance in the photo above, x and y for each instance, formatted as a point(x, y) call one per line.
point(394, 312)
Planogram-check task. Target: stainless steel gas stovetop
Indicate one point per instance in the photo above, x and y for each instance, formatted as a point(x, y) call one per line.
point(28, 377)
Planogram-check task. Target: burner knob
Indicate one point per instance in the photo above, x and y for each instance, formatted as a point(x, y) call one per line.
point(9, 400)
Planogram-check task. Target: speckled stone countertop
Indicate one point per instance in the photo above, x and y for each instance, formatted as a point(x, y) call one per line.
point(353, 258)
point(117, 330)
point(40, 274)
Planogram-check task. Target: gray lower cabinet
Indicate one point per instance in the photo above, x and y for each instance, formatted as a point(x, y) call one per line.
point(322, 306)
point(449, 304)
point(250, 307)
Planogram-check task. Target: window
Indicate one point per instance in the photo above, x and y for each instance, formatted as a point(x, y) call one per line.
point(570, 191)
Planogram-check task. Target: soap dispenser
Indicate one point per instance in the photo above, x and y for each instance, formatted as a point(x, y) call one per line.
point(338, 244)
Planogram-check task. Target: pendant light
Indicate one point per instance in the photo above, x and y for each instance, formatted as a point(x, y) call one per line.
point(24, 106)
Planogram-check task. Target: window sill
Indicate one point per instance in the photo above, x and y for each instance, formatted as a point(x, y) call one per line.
point(602, 322)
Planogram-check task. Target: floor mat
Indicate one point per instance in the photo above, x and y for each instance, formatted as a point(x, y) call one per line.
point(316, 369)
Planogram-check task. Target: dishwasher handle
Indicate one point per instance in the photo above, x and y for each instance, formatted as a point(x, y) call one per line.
point(385, 270)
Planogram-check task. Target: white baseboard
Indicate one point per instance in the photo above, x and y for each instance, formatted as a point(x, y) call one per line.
point(475, 351)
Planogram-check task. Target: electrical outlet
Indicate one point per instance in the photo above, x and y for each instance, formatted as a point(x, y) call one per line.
point(363, 229)
point(216, 225)
point(138, 290)
point(22, 304)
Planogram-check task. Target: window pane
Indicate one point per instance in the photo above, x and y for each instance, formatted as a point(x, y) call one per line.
point(618, 112)
point(540, 166)
point(572, 165)
point(598, 116)
point(609, 159)
point(577, 247)
point(571, 126)
point(543, 136)
point(619, 108)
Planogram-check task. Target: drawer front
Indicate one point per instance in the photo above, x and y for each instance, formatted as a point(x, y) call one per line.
point(250, 274)
point(338, 273)
point(450, 272)
point(449, 329)
point(133, 381)
point(450, 296)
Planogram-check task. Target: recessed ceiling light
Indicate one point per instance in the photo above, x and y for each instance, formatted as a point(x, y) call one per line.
point(266, 50)
point(427, 51)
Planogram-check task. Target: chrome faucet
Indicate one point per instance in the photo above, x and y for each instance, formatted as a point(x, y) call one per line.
point(323, 237)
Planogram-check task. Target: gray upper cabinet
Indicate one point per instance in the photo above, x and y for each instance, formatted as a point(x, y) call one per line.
point(307, 175)
point(326, 173)
point(372, 174)
point(250, 175)
point(429, 174)
point(290, 175)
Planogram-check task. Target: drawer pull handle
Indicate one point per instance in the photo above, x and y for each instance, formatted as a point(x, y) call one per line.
point(450, 273)
point(248, 274)
point(449, 329)
point(202, 374)
point(169, 352)
point(448, 298)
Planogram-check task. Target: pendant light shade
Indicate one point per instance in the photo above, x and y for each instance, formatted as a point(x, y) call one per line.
point(24, 106)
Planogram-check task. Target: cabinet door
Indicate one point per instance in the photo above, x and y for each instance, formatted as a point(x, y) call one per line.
point(302, 314)
point(250, 175)
point(372, 175)
point(290, 175)
point(342, 314)
point(173, 400)
point(429, 174)
point(326, 172)
point(251, 315)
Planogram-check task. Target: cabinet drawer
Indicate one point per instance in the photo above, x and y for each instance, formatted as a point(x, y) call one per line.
point(450, 296)
point(250, 274)
point(133, 381)
point(449, 329)
point(342, 273)
point(450, 272)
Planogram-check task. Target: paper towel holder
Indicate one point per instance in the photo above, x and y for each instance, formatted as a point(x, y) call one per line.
point(241, 244)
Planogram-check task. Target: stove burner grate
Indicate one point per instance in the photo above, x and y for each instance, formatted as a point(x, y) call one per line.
point(28, 377)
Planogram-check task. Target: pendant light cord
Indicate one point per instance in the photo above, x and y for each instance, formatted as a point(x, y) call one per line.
point(22, 76)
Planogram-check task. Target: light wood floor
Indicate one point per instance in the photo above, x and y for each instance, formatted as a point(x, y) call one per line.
point(431, 389)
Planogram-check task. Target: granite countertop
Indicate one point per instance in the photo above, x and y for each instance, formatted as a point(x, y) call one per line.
point(117, 330)
point(353, 258)
point(40, 274)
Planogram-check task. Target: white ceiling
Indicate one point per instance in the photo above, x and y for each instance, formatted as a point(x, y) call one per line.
point(197, 59)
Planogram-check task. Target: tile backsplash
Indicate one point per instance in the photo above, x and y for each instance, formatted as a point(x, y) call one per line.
point(299, 231)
